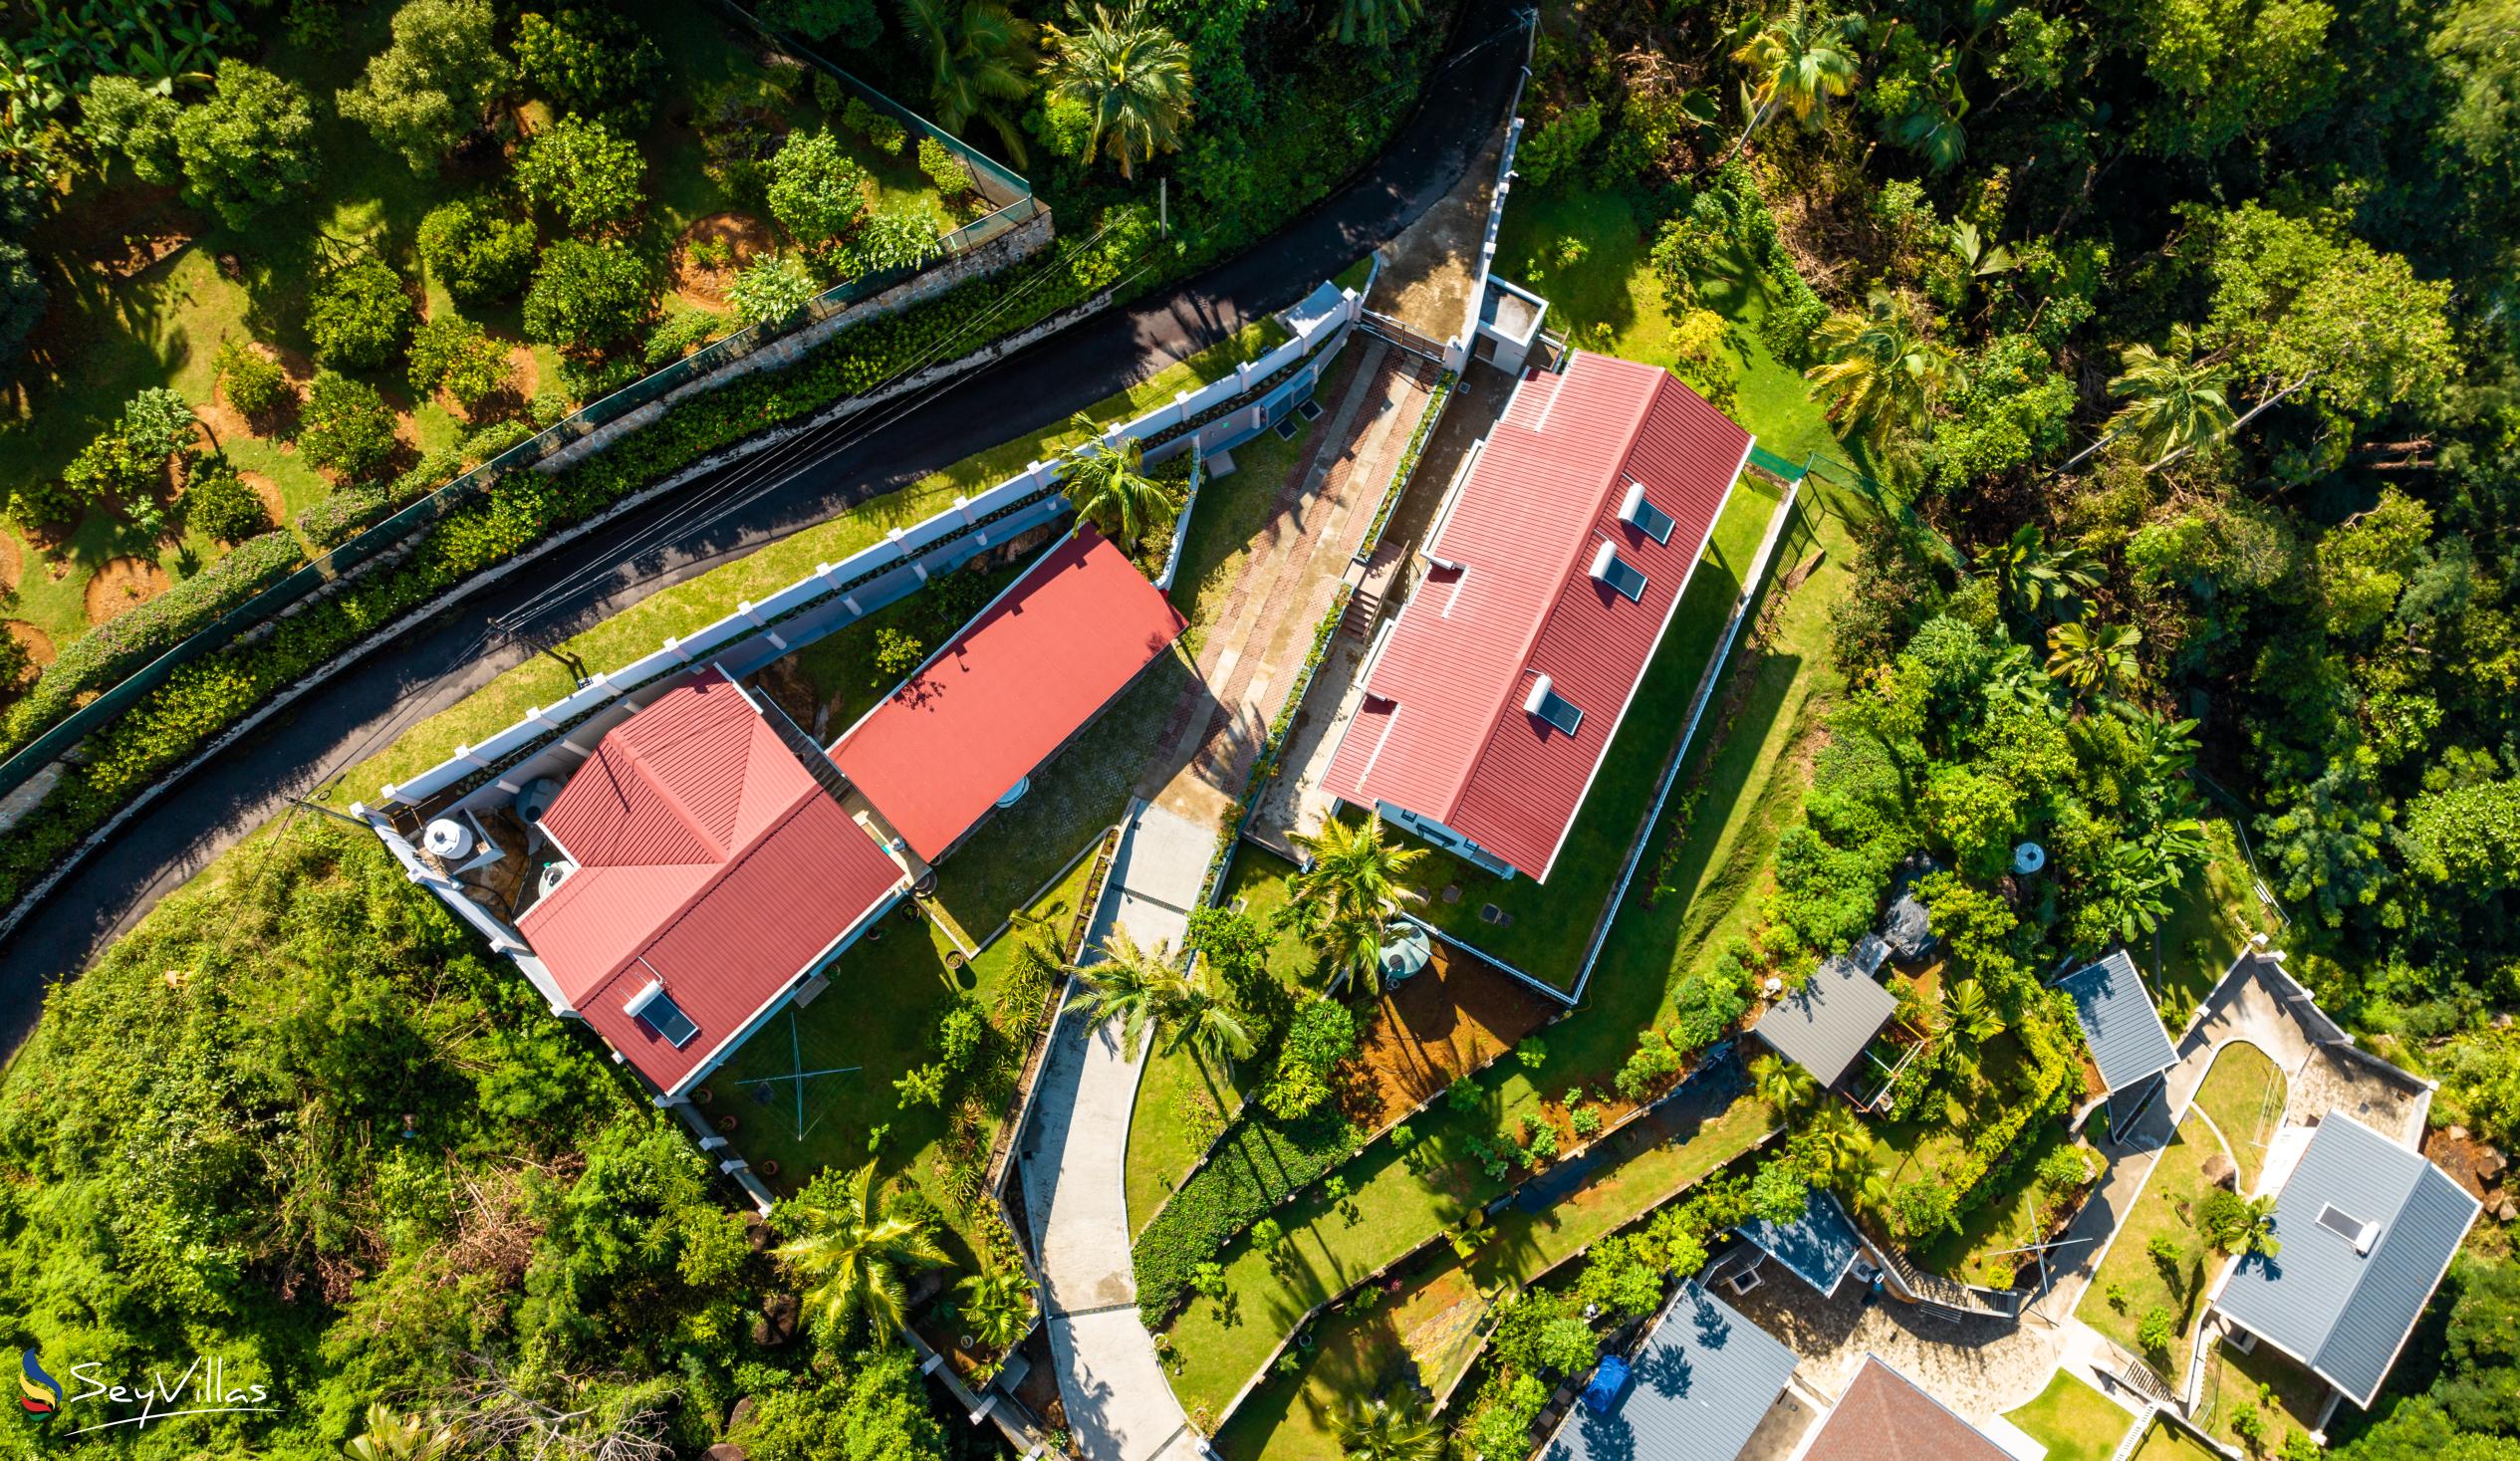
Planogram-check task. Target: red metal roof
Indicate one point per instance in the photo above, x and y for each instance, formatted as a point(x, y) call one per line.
point(707, 860)
point(1031, 670)
point(1444, 731)
point(1885, 1416)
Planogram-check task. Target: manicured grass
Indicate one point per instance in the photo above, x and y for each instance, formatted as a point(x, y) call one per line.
point(1435, 1316)
point(1398, 1203)
point(2285, 1396)
point(2243, 1095)
point(2167, 1443)
point(687, 607)
point(2075, 1421)
point(2165, 1209)
point(1552, 923)
point(879, 1014)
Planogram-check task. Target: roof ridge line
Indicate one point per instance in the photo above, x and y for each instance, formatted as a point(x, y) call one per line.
point(1531, 637)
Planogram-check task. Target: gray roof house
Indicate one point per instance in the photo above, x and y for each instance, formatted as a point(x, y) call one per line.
point(1824, 1025)
point(1701, 1385)
point(2367, 1228)
point(1819, 1247)
point(2120, 1024)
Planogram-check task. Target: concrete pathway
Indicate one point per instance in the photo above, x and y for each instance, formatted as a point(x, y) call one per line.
point(1119, 1403)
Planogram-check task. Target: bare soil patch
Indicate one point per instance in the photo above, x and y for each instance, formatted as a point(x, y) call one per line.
point(38, 646)
point(12, 564)
point(274, 502)
point(702, 285)
point(1441, 1023)
point(122, 582)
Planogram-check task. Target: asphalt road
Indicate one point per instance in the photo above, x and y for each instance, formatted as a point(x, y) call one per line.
point(437, 662)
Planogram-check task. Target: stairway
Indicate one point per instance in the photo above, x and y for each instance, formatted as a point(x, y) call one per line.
point(1364, 607)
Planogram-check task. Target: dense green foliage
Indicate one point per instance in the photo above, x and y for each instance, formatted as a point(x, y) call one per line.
point(1260, 1160)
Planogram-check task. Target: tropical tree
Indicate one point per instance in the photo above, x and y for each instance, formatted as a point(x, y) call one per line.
point(2093, 660)
point(1208, 1023)
point(1840, 1146)
point(1131, 76)
point(1107, 482)
point(996, 1304)
point(850, 1250)
point(2235, 1224)
point(1394, 1429)
point(393, 1437)
point(1879, 374)
point(1355, 869)
point(2031, 575)
point(1798, 59)
point(1783, 1084)
point(1376, 22)
point(2174, 402)
point(1969, 1014)
point(1136, 985)
point(980, 61)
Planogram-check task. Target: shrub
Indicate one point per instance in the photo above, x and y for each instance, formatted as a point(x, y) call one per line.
point(817, 192)
point(1258, 1162)
point(1532, 1054)
point(595, 61)
point(1568, 1346)
point(1321, 1035)
point(22, 300)
point(895, 655)
point(1654, 1060)
point(217, 501)
point(2156, 1332)
point(344, 425)
point(592, 379)
point(1923, 1207)
point(157, 423)
point(677, 336)
point(1588, 1122)
point(890, 240)
point(1463, 1095)
point(254, 383)
point(1620, 1275)
point(453, 352)
point(474, 248)
point(944, 167)
point(587, 295)
point(1503, 1426)
point(1539, 1143)
point(2063, 1168)
point(771, 289)
point(584, 172)
point(432, 87)
point(360, 316)
point(880, 131)
point(490, 440)
point(1558, 145)
point(248, 145)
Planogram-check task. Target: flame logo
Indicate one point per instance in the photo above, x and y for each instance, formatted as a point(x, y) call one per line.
point(39, 1393)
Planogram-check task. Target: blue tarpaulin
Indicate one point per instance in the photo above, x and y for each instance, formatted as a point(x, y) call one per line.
point(1602, 1391)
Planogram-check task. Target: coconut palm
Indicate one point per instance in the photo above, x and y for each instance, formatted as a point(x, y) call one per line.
point(393, 1437)
point(997, 1305)
point(2093, 660)
point(1879, 374)
point(1140, 987)
point(1376, 22)
point(1840, 1147)
point(2031, 576)
point(1394, 1429)
point(1969, 1014)
point(1782, 1084)
point(1107, 483)
point(1354, 868)
point(980, 61)
point(1798, 60)
point(1130, 73)
point(2174, 402)
point(850, 1250)
point(1210, 1026)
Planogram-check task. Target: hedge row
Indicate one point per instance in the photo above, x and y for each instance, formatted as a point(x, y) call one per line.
point(112, 650)
point(1260, 1162)
point(212, 692)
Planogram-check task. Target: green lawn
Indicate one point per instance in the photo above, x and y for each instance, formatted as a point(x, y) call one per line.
point(1552, 923)
point(689, 606)
point(2210, 922)
point(1436, 1316)
point(2243, 1095)
point(2284, 1397)
point(2165, 1209)
point(879, 1014)
point(2168, 1442)
point(2073, 1421)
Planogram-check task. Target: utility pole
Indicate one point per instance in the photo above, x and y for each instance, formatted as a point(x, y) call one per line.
point(1163, 205)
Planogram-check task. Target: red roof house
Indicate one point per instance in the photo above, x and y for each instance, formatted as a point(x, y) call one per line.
point(712, 875)
point(1555, 570)
point(1885, 1416)
point(1021, 679)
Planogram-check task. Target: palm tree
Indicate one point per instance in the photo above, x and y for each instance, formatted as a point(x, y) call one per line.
point(391, 1437)
point(980, 59)
point(1137, 986)
point(1800, 59)
point(2031, 576)
point(1968, 1013)
point(997, 1305)
point(1132, 74)
point(1376, 22)
point(1783, 1084)
point(1356, 871)
point(1388, 1430)
point(2093, 662)
point(1212, 1028)
point(2175, 403)
point(1107, 482)
point(1840, 1147)
point(849, 1251)
point(1879, 373)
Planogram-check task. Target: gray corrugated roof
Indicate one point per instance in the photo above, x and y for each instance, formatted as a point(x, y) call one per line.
point(1701, 1385)
point(1818, 1247)
point(2345, 1314)
point(2120, 1024)
point(1822, 1025)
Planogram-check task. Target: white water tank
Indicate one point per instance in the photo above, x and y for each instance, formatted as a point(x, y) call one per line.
point(448, 839)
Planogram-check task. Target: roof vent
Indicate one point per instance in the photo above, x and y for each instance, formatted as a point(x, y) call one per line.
point(2352, 1229)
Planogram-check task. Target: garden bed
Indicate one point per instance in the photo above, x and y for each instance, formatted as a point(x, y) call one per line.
point(2133, 1281)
